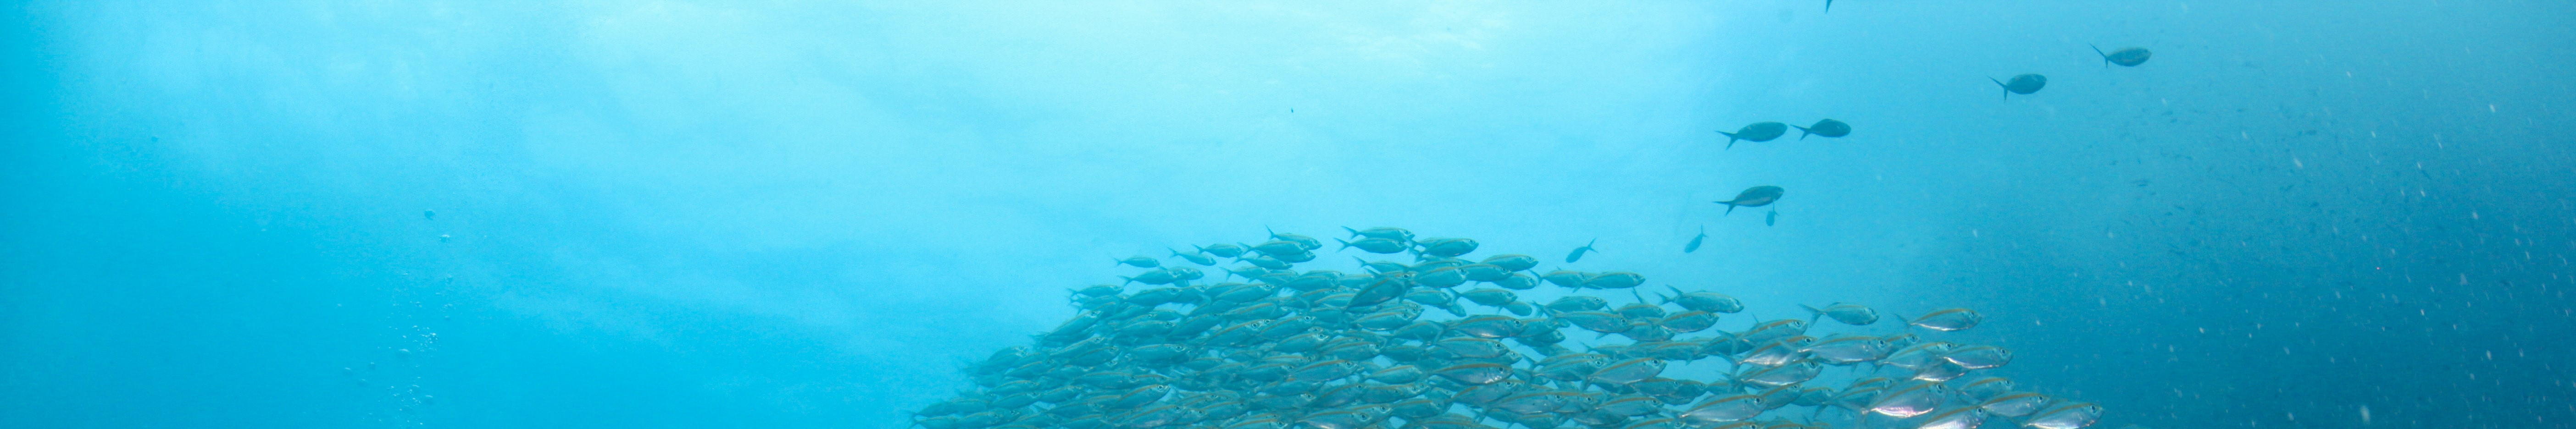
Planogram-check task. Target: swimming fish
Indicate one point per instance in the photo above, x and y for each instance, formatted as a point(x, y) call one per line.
point(1223, 250)
point(1849, 314)
point(1141, 262)
point(1577, 255)
point(1949, 319)
point(1752, 197)
point(1304, 242)
point(1694, 243)
point(1448, 247)
point(1771, 218)
point(1194, 258)
point(1397, 234)
point(1377, 245)
point(1756, 132)
point(1825, 127)
point(429, 214)
point(2024, 84)
point(2125, 57)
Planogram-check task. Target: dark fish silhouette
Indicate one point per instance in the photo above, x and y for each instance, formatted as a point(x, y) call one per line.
point(1753, 197)
point(2125, 57)
point(2024, 84)
point(1694, 244)
point(1825, 127)
point(1578, 252)
point(1757, 132)
point(1771, 218)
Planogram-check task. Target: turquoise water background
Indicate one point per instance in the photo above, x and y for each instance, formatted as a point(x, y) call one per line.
point(695, 214)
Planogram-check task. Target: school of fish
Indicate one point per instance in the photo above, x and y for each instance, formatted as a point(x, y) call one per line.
point(1446, 341)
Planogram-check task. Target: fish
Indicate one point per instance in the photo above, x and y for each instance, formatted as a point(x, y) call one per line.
point(1688, 321)
point(1303, 242)
point(1849, 314)
point(1513, 262)
point(1479, 373)
point(1224, 250)
point(1376, 245)
point(1448, 247)
point(1825, 127)
point(429, 214)
point(2022, 84)
point(1578, 252)
point(2125, 57)
point(2069, 416)
point(1725, 409)
point(1949, 319)
point(1712, 302)
point(1578, 303)
point(1988, 387)
point(1756, 132)
point(1276, 248)
point(1381, 266)
point(1490, 297)
point(1772, 218)
point(1627, 371)
point(1956, 418)
point(1567, 279)
point(1614, 280)
point(1194, 258)
point(1909, 401)
point(1694, 243)
point(1141, 262)
point(2015, 404)
point(1978, 357)
point(1753, 197)
point(1390, 233)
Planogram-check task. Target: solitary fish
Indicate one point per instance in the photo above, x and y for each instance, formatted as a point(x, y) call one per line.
point(1752, 197)
point(1578, 252)
point(2024, 84)
point(1694, 243)
point(1825, 127)
point(2125, 57)
point(1772, 218)
point(1761, 132)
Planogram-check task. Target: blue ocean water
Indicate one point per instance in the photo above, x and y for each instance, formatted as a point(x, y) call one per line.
point(697, 214)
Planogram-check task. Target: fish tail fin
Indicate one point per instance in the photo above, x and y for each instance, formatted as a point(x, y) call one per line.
point(1346, 245)
point(2106, 58)
point(1730, 139)
point(1354, 232)
point(1829, 6)
point(1730, 207)
point(1998, 83)
point(1815, 314)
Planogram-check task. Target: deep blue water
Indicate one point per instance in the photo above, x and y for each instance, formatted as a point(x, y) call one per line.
point(811, 214)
